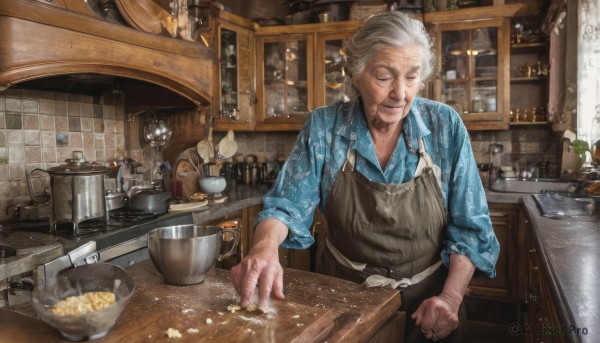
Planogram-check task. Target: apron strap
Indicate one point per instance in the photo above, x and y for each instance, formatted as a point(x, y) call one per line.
point(350, 159)
point(426, 164)
point(376, 280)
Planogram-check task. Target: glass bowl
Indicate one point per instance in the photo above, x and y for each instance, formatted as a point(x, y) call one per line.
point(97, 277)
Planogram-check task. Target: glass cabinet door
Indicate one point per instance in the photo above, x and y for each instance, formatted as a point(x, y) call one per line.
point(229, 75)
point(286, 79)
point(332, 84)
point(234, 95)
point(285, 75)
point(471, 75)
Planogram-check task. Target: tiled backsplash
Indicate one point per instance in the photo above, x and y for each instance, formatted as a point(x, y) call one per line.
point(40, 129)
point(273, 144)
point(522, 146)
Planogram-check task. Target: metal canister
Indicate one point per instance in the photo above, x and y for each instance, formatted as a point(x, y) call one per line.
point(247, 174)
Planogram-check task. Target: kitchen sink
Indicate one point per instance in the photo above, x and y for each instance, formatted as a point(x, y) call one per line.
point(533, 186)
point(556, 199)
point(556, 206)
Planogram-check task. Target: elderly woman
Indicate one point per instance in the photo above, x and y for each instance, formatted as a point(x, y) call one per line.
point(395, 177)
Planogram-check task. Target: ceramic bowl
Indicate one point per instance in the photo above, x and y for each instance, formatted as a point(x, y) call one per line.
point(183, 254)
point(212, 184)
point(96, 277)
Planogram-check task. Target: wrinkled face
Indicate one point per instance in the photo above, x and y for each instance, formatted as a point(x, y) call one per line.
point(390, 83)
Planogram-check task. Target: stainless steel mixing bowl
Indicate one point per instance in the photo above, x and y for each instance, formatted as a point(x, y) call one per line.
point(183, 254)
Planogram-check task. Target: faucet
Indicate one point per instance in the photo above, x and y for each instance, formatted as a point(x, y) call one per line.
point(530, 172)
point(496, 148)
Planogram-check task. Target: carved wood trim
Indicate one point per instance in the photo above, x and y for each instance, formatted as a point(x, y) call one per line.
point(40, 40)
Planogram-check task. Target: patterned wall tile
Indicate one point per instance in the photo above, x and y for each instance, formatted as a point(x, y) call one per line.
point(46, 122)
point(12, 104)
point(32, 137)
point(62, 138)
point(75, 124)
point(14, 121)
point(31, 122)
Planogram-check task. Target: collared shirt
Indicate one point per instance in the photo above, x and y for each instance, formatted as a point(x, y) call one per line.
point(320, 151)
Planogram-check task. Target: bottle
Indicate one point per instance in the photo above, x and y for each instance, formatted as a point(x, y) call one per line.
point(239, 176)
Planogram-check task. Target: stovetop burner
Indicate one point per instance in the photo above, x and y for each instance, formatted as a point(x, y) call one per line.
point(124, 217)
point(118, 218)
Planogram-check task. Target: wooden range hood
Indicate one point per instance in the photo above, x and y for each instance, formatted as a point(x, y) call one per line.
point(38, 40)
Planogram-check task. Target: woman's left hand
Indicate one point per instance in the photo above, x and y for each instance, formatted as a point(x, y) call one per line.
point(437, 316)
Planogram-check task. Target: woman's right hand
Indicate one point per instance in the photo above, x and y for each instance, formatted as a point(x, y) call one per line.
point(261, 268)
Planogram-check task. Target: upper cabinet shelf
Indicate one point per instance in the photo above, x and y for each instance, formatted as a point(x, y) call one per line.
point(527, 47)
point(529, 69)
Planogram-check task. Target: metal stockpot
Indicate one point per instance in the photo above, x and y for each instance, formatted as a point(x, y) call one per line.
point(77, 192)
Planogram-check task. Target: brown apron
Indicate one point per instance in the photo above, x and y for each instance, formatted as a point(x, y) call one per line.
point(393, 230)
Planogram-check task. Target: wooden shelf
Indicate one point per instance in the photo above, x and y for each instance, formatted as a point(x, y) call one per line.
point(528, 123)
point(528, 47)
point(524, 79)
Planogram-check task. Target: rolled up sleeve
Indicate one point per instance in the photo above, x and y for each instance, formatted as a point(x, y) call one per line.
point(295, 194)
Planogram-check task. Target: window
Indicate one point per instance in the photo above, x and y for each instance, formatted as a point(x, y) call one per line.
point(588, 62)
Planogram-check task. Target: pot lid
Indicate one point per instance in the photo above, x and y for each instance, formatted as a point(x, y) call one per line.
point(77, 164)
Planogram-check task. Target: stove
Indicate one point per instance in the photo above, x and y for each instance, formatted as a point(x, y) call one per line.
point(116, 219)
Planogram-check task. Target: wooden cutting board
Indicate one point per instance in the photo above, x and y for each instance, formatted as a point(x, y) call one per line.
point(157, 306)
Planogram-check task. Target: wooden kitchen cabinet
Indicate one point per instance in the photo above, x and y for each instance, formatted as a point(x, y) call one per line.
point(244, 221)
point(234, 100)
point(306, 259)
point(297, 69)
point(471, 71)
point(541, 316)
point(474, 62)
point(506, 226)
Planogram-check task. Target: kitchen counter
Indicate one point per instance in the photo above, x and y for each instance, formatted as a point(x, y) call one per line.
point(504, 197)
point(317, 308)
point(47, 247)
point(569, 252)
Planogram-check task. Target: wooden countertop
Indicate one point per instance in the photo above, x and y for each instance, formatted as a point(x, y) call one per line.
point(317, 308)
point(569, 252)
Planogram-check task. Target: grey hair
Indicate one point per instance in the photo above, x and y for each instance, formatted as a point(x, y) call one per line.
point(384, 30)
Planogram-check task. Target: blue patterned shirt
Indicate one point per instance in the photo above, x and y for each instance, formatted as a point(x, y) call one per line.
point(320, 151)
